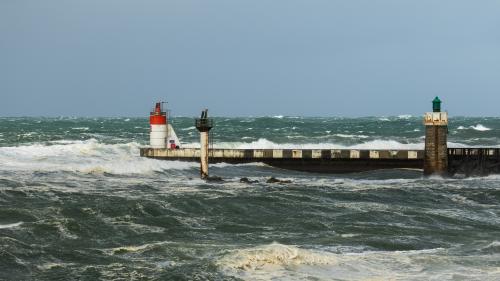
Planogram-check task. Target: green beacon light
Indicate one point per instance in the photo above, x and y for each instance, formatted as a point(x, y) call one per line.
point(436, 105)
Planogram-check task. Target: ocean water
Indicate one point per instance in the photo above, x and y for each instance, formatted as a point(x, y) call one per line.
point(78, 203)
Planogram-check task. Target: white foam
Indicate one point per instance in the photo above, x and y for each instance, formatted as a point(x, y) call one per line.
point(286, 262)
point(492, 245)
point(349, 235)
point(263, 143)
point(477, 127)
point(480, 127)
point(274, 254)
point(131, 249)
point(251, 164)
point(352, 136)
point(12, 225)
point(88, 156)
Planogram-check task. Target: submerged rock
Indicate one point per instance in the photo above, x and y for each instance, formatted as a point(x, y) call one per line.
point(214, 179)
point(246, 180)
point(275, 180)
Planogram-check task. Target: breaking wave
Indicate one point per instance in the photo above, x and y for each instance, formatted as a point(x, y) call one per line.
point(89, 156)
point(283, 262)
point(480, 127)
point(477, 127)
point(263, 143)
point(274, 254)
point(11, 225)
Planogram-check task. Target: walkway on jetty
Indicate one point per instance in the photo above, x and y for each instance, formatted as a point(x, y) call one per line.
point(310, 160)
point(467, 161)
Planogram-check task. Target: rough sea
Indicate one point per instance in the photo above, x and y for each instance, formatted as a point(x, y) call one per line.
point(78, 203)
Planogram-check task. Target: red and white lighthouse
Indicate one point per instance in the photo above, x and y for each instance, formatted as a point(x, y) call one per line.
point(159, 130)
point(162, 134)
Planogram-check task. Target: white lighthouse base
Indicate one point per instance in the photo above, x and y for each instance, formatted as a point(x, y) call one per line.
point(163, 136)
point(158, 136)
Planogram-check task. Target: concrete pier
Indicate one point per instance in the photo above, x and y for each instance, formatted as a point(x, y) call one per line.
point(436, 158)
point(309, 160)
point(465, 161)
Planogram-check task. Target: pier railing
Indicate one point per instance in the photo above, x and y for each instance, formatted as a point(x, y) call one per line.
point(287, 153)
point(473, 161)
point(475, 152)
point(204, 123)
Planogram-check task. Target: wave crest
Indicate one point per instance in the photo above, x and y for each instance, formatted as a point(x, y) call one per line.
point(11, 225)
point(478, 127)
point(275, 254)
point(89, 156)
point(263, 143)
point(282, 262)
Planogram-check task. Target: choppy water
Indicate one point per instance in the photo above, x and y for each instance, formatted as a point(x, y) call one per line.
point(78, 203)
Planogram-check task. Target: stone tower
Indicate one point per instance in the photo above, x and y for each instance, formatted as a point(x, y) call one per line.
point(436, 148)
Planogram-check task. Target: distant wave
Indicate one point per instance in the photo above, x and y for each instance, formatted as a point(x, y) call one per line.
point(352, 136)
point(478, 127)
point(263, 143)
point(390, 118)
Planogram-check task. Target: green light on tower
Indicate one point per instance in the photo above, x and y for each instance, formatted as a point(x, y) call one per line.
point(436, 105)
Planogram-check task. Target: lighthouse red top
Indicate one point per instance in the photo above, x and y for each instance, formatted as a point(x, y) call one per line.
point(158, 116)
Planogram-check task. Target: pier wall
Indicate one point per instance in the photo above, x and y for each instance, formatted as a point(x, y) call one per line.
point(311, 160)
point(466, 161)
point(474, 161)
